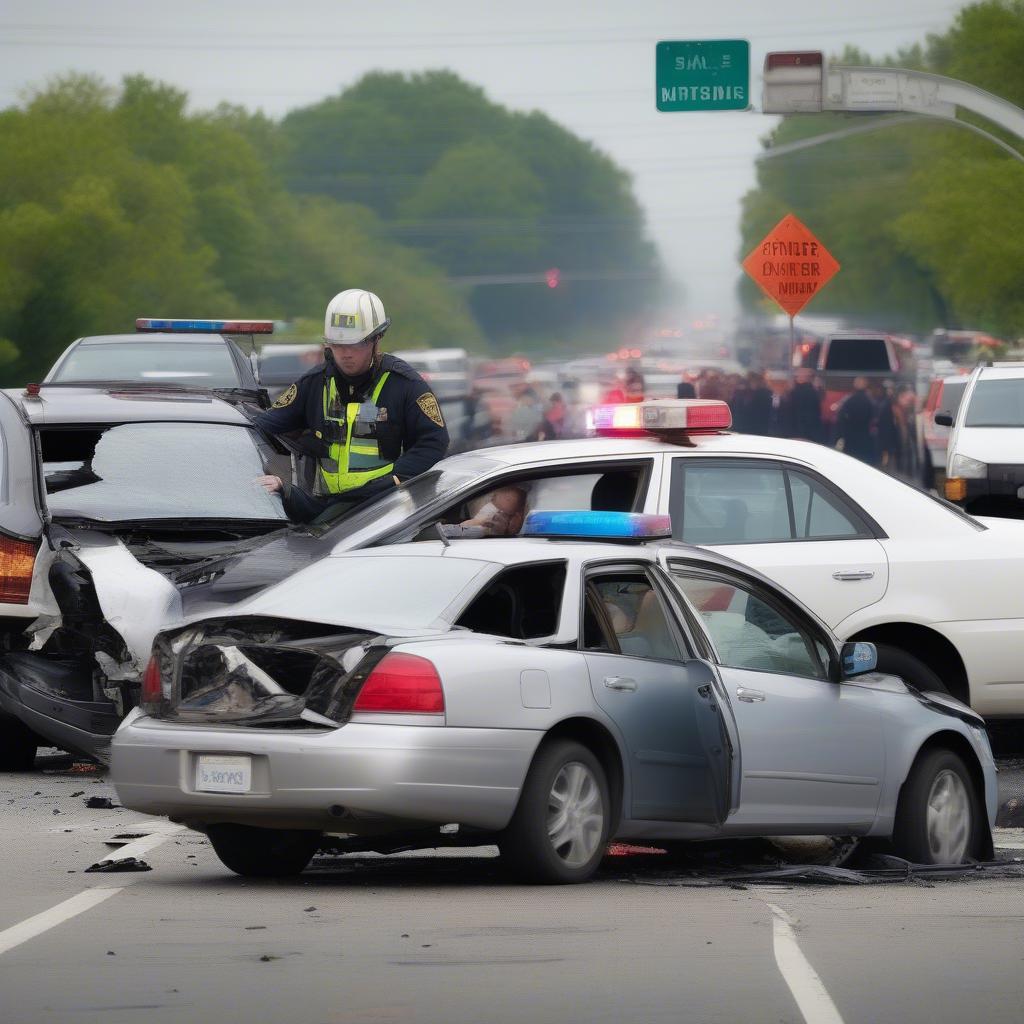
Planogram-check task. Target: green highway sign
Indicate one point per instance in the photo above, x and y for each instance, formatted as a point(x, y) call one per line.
point(708, 74)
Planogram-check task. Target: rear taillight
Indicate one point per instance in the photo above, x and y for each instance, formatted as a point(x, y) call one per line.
point(17, 560)
point(152, 696)
point(403, 684)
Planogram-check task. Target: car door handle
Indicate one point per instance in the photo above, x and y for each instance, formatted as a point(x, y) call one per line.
point(749, 696)
point(853, 574)
point(619, 683)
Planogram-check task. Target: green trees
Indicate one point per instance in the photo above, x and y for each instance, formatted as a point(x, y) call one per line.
point(926, 219)
point(118, 203)
point(482, 191)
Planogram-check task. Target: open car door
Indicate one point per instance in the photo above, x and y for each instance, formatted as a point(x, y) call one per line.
point(667, 704)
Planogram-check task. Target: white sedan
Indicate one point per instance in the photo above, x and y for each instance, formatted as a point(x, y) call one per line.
point(935, 589)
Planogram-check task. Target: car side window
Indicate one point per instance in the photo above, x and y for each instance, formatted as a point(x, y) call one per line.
point(624, 610)
point(501, 509)
point(522, 603)
point(816, 513)
point(751, 631)
point(750, 502)
point(712, 503)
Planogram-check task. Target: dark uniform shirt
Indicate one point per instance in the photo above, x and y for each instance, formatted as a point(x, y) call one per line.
point(411, 433)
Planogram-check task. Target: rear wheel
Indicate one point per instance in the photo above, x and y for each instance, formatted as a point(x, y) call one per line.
point(263, 852)
point(898, 662)
point(560, 828)
point(937, 817)
point(17, 746)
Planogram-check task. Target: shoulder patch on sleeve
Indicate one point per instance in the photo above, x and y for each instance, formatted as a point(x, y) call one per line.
point(428, 404)
point(286, 398)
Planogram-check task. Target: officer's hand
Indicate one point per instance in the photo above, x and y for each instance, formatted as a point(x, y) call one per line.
point(272, 484)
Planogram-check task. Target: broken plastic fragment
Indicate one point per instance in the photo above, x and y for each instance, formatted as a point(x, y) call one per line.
point(125, 864)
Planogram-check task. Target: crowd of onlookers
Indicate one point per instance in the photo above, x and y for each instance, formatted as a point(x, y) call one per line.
point(874, 422)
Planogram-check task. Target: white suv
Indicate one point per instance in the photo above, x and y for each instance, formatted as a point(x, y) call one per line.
point(985, 458)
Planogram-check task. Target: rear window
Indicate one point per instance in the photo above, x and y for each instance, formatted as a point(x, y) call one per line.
point(191, 363)
point(857, 355)
point(997, 403)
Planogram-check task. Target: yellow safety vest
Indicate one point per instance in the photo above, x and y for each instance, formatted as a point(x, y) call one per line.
point(357, 460)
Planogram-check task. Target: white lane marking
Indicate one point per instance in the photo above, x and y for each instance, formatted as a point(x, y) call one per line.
point(137, 847)
point(33, 926)
point(813, 1001)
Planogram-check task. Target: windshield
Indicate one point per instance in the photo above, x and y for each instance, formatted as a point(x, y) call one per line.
point(399, 506)
point(195, 364)
point(857, 355)
point(410, 591)
point(997, 403)
point(156, 471)
point(288, 366)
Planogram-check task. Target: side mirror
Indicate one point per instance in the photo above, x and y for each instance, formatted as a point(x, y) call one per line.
point(944, 419)
point(859, 658)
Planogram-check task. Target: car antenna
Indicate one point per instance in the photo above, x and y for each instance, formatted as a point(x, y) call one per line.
point(440, 532)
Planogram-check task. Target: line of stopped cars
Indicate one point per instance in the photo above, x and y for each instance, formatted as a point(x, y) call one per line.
point(605, 674)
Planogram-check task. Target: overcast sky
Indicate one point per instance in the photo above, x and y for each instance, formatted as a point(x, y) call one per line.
point(589, 65)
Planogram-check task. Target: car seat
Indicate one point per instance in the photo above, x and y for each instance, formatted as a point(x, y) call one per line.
point(614, 492)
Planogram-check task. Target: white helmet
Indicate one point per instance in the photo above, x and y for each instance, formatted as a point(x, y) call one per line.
point(353, 316)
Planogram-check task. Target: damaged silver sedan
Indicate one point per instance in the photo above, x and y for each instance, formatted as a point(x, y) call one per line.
point(547, 695)
point(105, 497)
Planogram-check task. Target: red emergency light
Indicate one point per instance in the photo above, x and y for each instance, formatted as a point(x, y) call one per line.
point(661, 416)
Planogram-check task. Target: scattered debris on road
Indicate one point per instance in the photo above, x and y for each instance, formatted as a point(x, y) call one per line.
point(124, 864)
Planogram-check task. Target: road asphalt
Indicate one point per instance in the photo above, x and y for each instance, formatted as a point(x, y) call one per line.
point(442, 936)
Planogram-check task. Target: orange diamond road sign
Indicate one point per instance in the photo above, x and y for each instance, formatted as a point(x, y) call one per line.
point(790, 264)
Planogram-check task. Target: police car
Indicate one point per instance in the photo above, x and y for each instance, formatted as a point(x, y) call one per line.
point(548, 692)
point(169, 353)
point(936, 589)
point(104, 495)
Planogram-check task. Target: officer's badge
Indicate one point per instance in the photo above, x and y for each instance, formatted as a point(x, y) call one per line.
point(428, 403)
point(287, 398)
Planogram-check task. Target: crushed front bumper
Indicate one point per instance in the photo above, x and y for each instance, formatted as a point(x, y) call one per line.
point(358, 778)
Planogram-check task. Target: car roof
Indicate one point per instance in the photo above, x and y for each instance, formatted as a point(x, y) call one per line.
point(84, 405)
point(581, 449)
point(149, 338)
point(1003, 371)
point(511, 551)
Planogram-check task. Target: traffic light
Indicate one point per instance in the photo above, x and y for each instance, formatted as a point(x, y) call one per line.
point(552, 277)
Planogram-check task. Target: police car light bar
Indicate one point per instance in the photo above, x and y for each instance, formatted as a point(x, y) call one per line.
point(149, 324)
point(687, 415)
point(596, 525)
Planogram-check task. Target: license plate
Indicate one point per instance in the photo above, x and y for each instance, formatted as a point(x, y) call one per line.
point(1020, 492)
point(223, 774)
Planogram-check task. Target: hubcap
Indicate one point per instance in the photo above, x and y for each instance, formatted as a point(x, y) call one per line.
point(948, 819)
point(575, 814)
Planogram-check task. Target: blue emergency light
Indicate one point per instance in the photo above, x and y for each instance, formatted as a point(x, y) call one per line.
point(597, 525)
point(149, 324)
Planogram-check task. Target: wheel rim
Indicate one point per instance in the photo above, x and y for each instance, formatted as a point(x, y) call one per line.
point(575, 820)
point(948, 818)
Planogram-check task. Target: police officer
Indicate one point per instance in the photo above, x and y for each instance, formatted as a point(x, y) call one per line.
point(373, 418)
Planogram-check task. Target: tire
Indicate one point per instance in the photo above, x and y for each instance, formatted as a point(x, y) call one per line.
point(898, 662)
point(18, 746)
point(263, 852)
point(938, 820)
point(563, 772)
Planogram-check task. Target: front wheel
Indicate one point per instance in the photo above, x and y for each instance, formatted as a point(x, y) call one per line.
point(937, 817)
point(263, 852)
point(560, 828)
